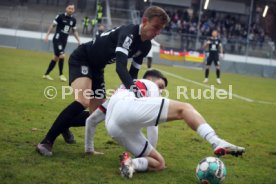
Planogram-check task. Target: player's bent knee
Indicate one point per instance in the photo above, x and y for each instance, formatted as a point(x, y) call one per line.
point(61, 56)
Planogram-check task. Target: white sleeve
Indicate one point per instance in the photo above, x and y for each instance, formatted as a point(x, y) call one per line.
point(152, 133)
point(90, 127)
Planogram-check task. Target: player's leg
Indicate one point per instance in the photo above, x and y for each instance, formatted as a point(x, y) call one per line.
point(124, 120)
point(149, 59)
point(156, 162)
point(152, 135)
point(207, 69)
point(61, 48)
point(217, 64)
point(81, 80)
point(51, 66)
point(147, 157)
point(92, 121)
point(184, 111)
point(60, 66)
point(53, 62)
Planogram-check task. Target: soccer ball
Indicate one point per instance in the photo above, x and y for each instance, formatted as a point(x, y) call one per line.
point(210, 170)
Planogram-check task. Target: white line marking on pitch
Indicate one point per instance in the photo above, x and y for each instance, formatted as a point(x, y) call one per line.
point(207, 86)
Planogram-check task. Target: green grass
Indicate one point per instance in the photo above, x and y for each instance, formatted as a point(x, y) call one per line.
point(24, 107)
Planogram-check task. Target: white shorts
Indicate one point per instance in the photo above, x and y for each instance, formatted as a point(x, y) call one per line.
point(126, 117)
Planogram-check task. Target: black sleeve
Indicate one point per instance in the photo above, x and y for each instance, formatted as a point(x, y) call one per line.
point(121, 69)
point(133, 71)
point(57, 19)
point(138, 61)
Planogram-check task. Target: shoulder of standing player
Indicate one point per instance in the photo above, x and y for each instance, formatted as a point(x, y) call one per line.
point(58, 18)
point(129, 29)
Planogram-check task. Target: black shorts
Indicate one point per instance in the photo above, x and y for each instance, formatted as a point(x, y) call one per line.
point(59, 47)
point(79, 69)
point(212, 59)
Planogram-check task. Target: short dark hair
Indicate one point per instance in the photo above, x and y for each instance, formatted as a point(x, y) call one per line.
point(156, 11)
point(157, 74)
point(69, 3)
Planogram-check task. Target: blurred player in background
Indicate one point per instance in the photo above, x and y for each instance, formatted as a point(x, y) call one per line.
point(155, 46)
point(64, 23)
point(215, 52)
point(87, 63)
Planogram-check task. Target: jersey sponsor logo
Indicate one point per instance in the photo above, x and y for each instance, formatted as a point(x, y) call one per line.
point(127, 42)
point(84, 70)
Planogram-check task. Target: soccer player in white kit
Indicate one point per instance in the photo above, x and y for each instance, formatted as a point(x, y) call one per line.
point(151, 85)
point(127, 115)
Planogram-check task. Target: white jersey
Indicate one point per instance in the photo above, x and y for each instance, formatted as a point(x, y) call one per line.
point(150, 89)
point(99, 114)
point(126, 115)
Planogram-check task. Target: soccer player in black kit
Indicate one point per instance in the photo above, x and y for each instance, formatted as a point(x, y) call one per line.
point(215, 50)
point(87, 63)
point(63, 22)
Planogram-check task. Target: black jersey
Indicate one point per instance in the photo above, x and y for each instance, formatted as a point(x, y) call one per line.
point(214, 46)
point(115, 45)
point(64, 24)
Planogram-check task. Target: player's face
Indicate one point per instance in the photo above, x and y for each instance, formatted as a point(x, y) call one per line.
point(215, 34)
point(151, 28)
point(70, 9)
point(161, 84)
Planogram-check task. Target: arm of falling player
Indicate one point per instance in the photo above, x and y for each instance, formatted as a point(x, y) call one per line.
point(90, 128)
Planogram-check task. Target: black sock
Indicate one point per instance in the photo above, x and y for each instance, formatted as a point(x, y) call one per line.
point(62, 121)
point(149, 62)
point(218, 73)
point(60, 66)
point(206, 72)
point(51, 67)
point(80, 119)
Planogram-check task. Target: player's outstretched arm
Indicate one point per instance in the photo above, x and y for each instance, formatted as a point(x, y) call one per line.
point(152, 134)
point(51, 27)
point(90, 127)
point(76, 35)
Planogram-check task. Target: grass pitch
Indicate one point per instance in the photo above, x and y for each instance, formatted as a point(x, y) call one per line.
point(26, 116)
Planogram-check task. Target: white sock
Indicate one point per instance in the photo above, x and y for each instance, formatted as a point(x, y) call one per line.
point(207, 132)
point(140, 164)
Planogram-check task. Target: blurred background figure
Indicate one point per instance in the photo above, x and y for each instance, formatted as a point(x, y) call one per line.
point(85, 23)
point(63, 23)
point(215, 52)
point(155, 47)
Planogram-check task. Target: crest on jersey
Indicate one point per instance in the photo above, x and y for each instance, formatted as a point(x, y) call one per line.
point(71, 23)
point(84, 70)
point(127, 42)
